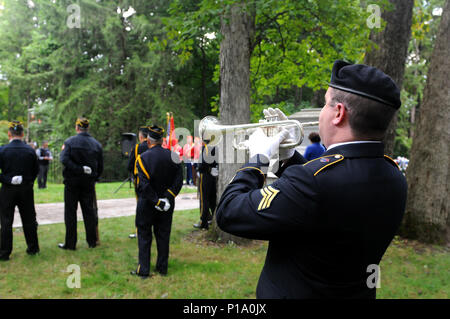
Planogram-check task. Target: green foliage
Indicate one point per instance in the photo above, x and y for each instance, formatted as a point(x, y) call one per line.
point(423, 32)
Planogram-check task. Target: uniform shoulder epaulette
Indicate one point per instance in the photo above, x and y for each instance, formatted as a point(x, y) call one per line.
point(390, 160)
point(319, 164)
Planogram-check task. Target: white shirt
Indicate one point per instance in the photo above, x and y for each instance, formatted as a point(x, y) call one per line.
point(352, 142)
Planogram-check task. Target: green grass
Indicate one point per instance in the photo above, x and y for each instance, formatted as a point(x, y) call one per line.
point(197, 268)
point(54, 193)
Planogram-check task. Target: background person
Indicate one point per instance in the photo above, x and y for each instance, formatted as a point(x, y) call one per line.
point(327, 221)
point(82, 157)
point(315, 149)
point(44, 158)
point(19, 166)
point(160, 178)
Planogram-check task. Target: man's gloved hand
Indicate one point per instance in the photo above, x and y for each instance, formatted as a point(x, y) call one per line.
point(16, 180)
point(259, 143)
point(285, 153)
point(164, 205)
point(214, 171)
point(87, 170)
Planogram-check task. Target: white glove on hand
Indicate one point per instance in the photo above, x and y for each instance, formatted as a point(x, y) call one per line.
point(214, 172)
point(87, 170)
point(16, 180)
point(285, 153)
point(259, 143)
point(164, 205)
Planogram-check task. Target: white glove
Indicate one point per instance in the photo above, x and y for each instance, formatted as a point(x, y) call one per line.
point(166, 206)
point(198, 174)
point(16, 180)
point(214, 172)
point(259, 143)
point(284, 153)
point(87, 170)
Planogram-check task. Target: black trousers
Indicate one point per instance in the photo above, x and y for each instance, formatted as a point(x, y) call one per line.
point(83, 191)
point(208, 189)
point(42, 177)
point(23, 197)
point(148, 219)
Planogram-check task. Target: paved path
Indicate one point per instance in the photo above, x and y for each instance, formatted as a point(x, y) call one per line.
point(54, 213)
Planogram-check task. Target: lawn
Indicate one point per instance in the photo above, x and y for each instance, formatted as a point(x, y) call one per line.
point(197, 268)
point(55, 192)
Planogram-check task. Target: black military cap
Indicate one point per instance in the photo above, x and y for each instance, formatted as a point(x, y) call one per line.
point(365, 81)
point(82, 122)
point(156, 132)
point(144, 130)
point(15, 126)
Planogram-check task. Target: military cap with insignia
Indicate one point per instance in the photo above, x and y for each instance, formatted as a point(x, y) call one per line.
point(15, 126)
point(365, 81)
point(82, 122)
point(155, 132)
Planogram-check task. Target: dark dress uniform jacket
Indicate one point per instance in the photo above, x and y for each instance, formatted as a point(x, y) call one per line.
point(82, 150)
point(18, 158)
point(326, 220)
point(159, 176)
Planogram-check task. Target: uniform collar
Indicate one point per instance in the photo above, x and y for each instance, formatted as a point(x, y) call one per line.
point(84, 134)
point(16, 140)
point(358, 150)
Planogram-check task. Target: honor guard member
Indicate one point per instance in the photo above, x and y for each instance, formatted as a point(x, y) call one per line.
point(44, 158)
point(159, 180)
point(19, 166)
point(138, 149)
point(330, 220)
point(208, 171)
point(82, 157)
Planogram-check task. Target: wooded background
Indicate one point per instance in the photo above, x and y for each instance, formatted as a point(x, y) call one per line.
point(124, 64)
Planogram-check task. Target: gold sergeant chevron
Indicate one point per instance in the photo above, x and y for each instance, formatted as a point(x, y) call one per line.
point(268, 194)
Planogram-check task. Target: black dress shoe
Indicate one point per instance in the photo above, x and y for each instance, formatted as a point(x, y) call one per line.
point(32, 252)
point(63, 246)
point(4, 258)
point(135, 273)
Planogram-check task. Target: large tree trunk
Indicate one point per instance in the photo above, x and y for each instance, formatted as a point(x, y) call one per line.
point(391, 55)
point(237, 28)
point(427, 215)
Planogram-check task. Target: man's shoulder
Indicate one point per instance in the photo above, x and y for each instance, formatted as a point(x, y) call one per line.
point(319, 164)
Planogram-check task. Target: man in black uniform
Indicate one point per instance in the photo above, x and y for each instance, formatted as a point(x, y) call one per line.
point(208, 169)
point(82, 157)
point(159, 180)
point(19, 166)
point(330, 220)
point(134, 153)
point(44, 157)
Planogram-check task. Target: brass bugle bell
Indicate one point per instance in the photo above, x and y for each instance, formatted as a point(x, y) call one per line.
point(211, 131)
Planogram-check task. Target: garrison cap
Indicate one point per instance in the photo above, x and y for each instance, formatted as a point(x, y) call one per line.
point(82, 122)
point(15, 126)
point(365, 81)
point(155, 132)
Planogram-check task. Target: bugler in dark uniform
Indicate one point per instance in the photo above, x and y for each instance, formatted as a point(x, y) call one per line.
point(159, 181)
point(329, 219)
point(82, 157)
point(19, 166)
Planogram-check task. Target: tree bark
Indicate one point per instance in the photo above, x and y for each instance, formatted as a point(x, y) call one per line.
point(427, 217)
point(391, 55)
point(237, 28)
